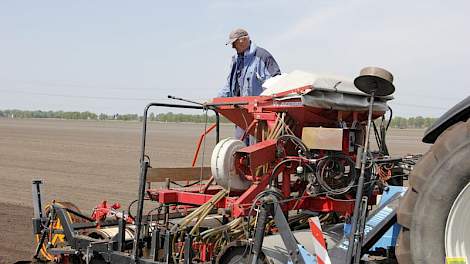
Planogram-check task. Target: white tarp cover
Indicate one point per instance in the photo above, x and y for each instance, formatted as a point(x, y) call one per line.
point(329, 91)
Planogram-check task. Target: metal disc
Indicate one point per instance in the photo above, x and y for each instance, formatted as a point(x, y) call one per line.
point(374, 79)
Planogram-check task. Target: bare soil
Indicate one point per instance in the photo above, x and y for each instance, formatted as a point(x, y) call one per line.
point(89, 161)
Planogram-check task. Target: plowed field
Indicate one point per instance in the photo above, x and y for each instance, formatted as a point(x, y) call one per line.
point(89, 161)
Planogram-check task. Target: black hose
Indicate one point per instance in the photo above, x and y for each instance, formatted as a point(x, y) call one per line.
point(271, 177)
point(383, 132)
point(390, 118)
point(297, 141)
point(378, 139)
point(130, 205)
point(185, 186)
point(322, 169)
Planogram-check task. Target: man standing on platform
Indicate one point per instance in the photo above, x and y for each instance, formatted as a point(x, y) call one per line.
point(250, 68)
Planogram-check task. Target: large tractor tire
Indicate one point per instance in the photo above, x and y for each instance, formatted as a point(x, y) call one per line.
point(435, 211)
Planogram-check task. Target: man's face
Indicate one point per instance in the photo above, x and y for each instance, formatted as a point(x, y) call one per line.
point(240, 45)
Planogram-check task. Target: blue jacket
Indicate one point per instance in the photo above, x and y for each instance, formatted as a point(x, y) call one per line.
point(258, 66)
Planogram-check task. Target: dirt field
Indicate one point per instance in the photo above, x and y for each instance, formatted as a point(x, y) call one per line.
point(90, 161)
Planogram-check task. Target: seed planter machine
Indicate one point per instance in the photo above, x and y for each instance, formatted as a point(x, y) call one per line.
point(303, 164)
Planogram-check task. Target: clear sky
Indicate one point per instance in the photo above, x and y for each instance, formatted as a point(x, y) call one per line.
point(116, 56)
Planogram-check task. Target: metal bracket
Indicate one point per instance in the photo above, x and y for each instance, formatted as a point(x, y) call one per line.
point(271, 206)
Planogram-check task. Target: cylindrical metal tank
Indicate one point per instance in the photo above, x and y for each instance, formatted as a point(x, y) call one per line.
point(223, 165)
point(108, 233)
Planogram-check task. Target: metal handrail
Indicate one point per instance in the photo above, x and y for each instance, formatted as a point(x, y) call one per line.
point(144, 165)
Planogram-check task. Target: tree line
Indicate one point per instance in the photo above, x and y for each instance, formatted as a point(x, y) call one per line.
point(412, 122)
point(397, 122)
point(163, 117)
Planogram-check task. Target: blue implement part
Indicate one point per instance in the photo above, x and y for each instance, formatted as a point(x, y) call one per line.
point(389, 239)
point(377, 223)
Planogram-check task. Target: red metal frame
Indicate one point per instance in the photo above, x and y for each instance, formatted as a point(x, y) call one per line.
point(240, 205)
point(256, 113)
point(264, 108)
point(201, 138)
point(256, 155)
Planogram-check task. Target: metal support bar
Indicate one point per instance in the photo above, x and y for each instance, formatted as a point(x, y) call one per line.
point(271, 206)
point(65, 221)
point(38, 218)
point(140, 207)
point(37, 199)
point(226, 104)
point(155, 244)
point(121, 234)
point(259, 233)
point(43, 236)
point(166, 207)
point(217, 128)
point(79, 214)
point(360, 232)
point(360, 186)
point(202, 138)
point(188, 250)
point(286, 234)
point(167, 247)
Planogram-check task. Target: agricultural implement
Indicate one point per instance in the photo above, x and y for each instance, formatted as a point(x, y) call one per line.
point(302, 165)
